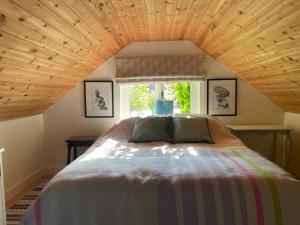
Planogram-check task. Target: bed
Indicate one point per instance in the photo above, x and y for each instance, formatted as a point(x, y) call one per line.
point(120, 183)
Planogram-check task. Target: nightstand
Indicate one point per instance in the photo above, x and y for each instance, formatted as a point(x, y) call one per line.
point(240, 130)
point(78, 141)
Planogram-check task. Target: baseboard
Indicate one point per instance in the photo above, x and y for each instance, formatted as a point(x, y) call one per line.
point(24, 184)
point(29, 181)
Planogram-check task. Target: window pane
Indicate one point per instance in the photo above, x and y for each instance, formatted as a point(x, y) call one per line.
point(141, 99)
point(179, 92)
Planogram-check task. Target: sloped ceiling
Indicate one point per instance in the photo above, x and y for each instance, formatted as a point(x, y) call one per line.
point(49, 46)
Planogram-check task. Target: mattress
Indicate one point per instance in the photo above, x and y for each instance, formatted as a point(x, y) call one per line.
point(120, 183)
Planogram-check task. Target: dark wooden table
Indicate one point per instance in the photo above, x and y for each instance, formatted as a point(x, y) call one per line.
point(78, 141)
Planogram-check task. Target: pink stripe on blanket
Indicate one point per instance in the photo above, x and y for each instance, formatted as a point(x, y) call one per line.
point(37, 209)
point(257, 194)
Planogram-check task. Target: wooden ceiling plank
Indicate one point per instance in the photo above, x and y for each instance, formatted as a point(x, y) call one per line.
point(269, 54)
point(19, 91)
point(277, 27)
point(97, 8)
point(37, 78)
point(10, 9)
point(29, 80)
point(120, 23)
point(19, 30)
point(200, 22)
point(10, 69)
point(178, 20)
point(192, 28)
point(217, 21)
point(167, 8)
point(48, 47)
point(16, 57)
point(23, 67)
point(189, 17)
point(183, 12)
point(151, 18)
point(289, 58)
point(90, 19)
point(270, 66)
point(123, 16)
point(11, 42)
point(239, 20)
point(100, 39)
point(42, 12)
point(161, 8)
point(140, 11)
point(215, 7)
point(273, 15)
point(65, 13)
point(48, 44)
point(271, 72)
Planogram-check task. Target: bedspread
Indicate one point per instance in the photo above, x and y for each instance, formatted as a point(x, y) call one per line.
point(121, 183)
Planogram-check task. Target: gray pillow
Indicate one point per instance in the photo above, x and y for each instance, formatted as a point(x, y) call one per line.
point(151, 129)
point(191, 130)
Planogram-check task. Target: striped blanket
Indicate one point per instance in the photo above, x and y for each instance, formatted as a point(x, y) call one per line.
point(117, 183)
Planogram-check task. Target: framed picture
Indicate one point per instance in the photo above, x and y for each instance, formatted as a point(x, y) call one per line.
point(98, 99)
point(222, 97)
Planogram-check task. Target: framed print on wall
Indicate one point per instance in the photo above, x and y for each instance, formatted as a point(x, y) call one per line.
point(98, 99)
point(222, 97)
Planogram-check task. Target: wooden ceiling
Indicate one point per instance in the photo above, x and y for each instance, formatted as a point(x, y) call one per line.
point(49, 46)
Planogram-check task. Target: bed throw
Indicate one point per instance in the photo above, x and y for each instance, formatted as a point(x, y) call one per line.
point(121, 183)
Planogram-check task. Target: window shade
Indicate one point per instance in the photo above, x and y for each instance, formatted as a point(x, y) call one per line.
point(161, 68)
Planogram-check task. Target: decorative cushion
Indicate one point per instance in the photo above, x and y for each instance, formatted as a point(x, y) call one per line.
point(191, 130)
point(151, 129)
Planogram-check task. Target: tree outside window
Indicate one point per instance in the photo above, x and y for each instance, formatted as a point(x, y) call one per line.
point(142, 97)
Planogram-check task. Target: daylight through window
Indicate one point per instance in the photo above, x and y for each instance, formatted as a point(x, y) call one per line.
point(140, 99)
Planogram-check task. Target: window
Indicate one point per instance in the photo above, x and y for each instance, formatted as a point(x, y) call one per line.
point(139, 99)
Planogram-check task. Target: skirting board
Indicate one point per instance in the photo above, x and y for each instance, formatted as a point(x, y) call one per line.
point(29, 181)
point(23, 184)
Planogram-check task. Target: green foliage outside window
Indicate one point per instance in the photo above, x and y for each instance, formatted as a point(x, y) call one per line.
point(141, 98)
point(182, 95)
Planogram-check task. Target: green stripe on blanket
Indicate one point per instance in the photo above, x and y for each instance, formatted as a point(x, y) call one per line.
point(271, 184)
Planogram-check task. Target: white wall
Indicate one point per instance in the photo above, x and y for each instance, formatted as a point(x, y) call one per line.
point(253, 107)
point(23, 140)
point(293, 120)
point(66, 118)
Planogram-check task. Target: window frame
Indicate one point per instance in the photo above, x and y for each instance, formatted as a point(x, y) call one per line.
point(197, 98)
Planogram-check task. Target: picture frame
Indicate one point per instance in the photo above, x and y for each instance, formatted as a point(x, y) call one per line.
point(222, 97)
point(98, 99)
